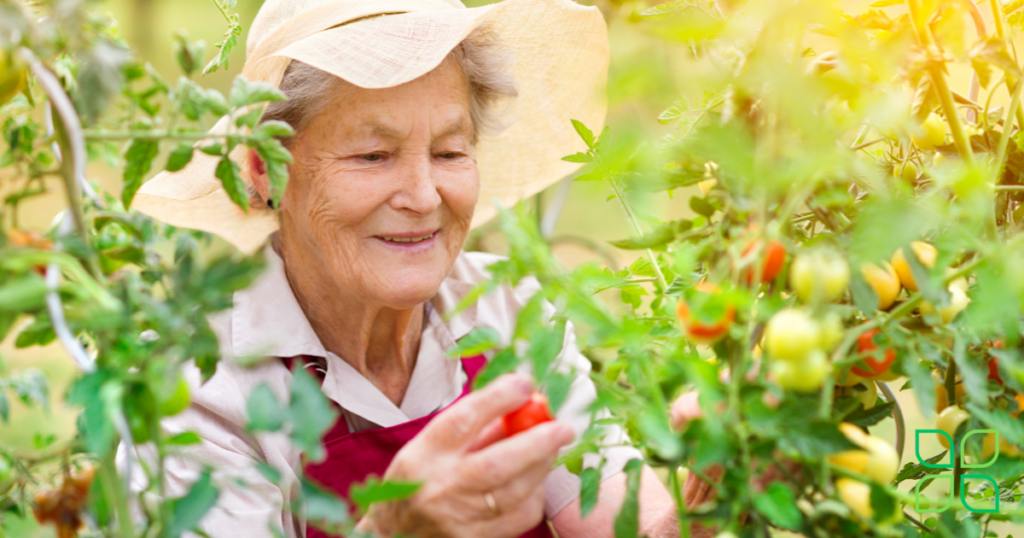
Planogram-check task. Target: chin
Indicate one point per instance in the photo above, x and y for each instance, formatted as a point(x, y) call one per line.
point(409, 287)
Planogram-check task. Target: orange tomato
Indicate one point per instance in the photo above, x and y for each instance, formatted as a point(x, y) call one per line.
point(699, 331)
point(876, 366)
point(773, 258)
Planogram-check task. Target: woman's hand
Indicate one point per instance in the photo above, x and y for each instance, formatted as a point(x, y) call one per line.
point(474, 481)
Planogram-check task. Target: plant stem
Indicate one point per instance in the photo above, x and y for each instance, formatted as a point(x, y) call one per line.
point(222, 10)
point(636, 228)
point(112, 490)
point(937, 73)
point(1004, 137)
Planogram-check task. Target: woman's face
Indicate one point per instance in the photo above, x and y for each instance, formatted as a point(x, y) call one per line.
point(383, 188)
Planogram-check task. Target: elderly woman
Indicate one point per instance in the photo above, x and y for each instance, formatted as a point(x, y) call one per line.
point(397, 108)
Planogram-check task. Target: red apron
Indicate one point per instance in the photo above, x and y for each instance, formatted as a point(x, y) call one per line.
point(352, 457)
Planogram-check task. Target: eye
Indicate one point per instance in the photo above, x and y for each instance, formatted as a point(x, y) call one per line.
point(372, 157)
point(450, 155)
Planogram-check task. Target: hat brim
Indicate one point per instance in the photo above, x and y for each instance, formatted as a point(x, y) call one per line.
point(560, 67)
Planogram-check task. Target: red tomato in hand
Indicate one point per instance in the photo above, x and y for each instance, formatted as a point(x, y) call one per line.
point(774, 257)
point(866, 344)
point(533, 413)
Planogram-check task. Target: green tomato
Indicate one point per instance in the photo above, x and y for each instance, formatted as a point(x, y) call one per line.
point(931, 133)
point(806, 375)
point(819, 276)
point(178, 401)
point(791, 335)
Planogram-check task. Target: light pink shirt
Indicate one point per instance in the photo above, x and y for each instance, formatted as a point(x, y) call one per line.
point(267, 321)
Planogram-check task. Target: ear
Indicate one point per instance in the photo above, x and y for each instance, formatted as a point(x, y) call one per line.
point(258, 176)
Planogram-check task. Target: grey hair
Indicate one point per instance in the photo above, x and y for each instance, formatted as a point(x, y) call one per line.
point(483, 59)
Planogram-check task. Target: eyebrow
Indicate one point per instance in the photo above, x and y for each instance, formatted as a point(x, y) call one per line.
point(376, 128)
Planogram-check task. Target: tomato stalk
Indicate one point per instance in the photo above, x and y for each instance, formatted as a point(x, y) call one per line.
point(937, 74)
point(636, 229)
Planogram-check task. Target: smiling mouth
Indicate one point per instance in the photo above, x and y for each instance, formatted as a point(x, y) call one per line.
point(419, 239)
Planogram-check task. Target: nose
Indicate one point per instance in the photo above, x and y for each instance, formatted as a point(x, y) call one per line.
point(417, 191)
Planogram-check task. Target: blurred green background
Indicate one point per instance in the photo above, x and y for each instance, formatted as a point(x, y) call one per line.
point(647, 74)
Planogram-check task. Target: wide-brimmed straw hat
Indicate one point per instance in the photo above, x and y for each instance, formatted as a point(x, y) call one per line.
point(560, 65)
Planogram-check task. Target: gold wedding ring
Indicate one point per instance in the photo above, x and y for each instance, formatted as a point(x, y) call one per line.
point(492, 504)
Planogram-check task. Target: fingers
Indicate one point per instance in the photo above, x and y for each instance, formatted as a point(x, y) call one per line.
point(517, 519)
point(685, 409)
point(456, 427)
point(697, 491)
point(492, 433)
point(504, 461)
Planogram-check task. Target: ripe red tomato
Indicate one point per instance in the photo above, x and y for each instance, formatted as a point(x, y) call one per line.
point(774, 257)
point(866, 344)
point(533, 413)
point(993, 363)
point(702, 332)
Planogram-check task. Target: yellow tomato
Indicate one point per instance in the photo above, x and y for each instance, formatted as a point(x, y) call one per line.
point(884, 281)
point(926, 254)
point(791, 334)
point(931, 133)
point(848, 379)
point(941, 398)
point(831, 331)
point(907, 172)
point(707, 185)
point(821, 275)
point(856, 495)
point(876, 458)
point(958, 301)
point(12, 77)
point(866, 394)
point(949, 420)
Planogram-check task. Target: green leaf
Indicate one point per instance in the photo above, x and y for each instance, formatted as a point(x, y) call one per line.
point(627, 521)
point(673, 112)
point(578, 158)
point(274, 129)
point(244, 93)
point(664, 234)
point(185, 438)
point(921, 380)
point(138, 160)
point(1009, 428)
point(264, 410)
point(190, 509)
point(228, 174)
point(779, 506)
point(180, 156)
point(221, 60)
point(249, 119)
point(275, 158)
point(590, 485)
point(323, 508)
point(870, 417)
point(310, 413)
point(476, 342)
point(586, 134)
point(25, 293)
point(701, 206)
point(660, 437)
point(5, 408)
point(373, 490)
point(504, 361)
point(882, 503)
point(813, 438)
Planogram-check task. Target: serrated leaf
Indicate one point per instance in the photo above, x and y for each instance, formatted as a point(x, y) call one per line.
point(228, 174)
point(870, 417)
point(245, 93)
point(179, 157)
point(476, 342)
point(138, 160)
point(221, 60)
point(586, 134)
point(677, 108)
point(578, 158)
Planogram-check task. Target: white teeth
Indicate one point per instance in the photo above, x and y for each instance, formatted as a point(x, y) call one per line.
point(407, 239)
